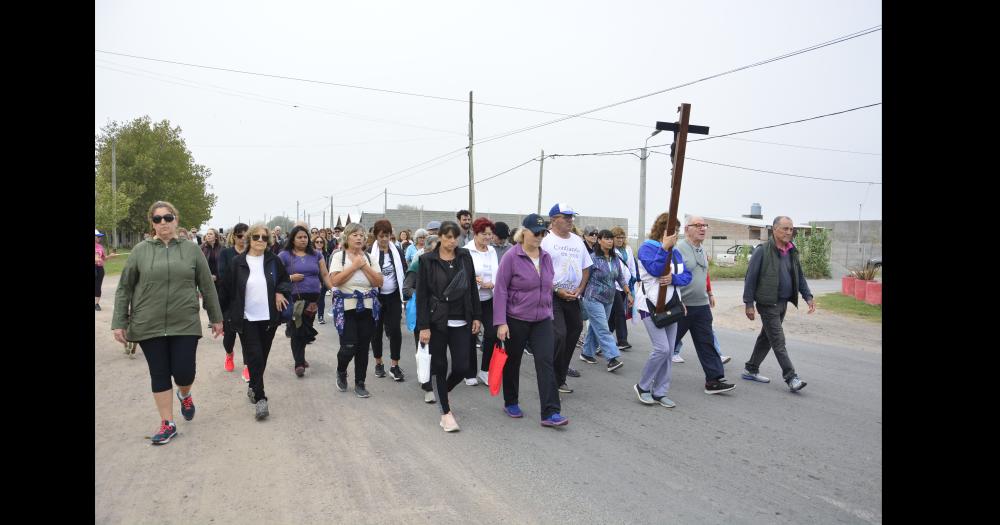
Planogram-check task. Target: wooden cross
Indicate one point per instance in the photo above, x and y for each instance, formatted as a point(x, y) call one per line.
point(677, 150)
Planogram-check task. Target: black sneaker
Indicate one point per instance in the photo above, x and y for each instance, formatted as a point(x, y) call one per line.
point(614, 364)
point(359, 390)
point(97, 308)
point(321, 320)
point(342, 382)
point(563, 388)
point(599, 351)
point(624, 347)
point(379, 370)
point(187, 406)
point(396, 373)
point(260, 410)
point(587, 359)
point(251, 396)
point(718, 387)
point(572, 373)
point(167, 432)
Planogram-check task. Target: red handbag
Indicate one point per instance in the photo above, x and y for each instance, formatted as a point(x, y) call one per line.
point(495, 376)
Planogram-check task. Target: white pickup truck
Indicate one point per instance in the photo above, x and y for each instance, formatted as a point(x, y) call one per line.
point(729, 258)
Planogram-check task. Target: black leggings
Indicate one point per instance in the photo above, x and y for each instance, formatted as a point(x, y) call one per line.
point(305, 334)
point(489, 339)
point(256, 342)
point(358, 330)
point(388, 322)
point(321, 302)
point(540, 335)
point(228, 337)
point(98, 280)
point(616, 321)
point(457, 340)
point(170, 356)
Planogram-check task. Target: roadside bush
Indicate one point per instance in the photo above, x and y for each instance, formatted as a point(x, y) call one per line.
point(815, 254)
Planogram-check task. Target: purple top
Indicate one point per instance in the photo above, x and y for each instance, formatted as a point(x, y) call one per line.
point(307, 265)
point(519, 289)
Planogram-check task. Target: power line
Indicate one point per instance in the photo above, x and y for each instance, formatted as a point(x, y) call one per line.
point(803, 147)
point(717, 75)
point(465, 185)
point(353, 86)
point(263, 98)
point(383, 180)
point(784, 123)
point(772, 172)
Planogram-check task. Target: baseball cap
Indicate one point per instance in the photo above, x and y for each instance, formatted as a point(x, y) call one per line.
point(589, 230)
point(535, 223)
point(434, 225)
point(97, 233)
point(561, 209)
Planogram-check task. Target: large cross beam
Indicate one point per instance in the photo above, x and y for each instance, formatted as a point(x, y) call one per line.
point(677, 150)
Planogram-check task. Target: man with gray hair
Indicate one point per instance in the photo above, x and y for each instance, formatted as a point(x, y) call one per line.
point(774, 278)
point(696, 299)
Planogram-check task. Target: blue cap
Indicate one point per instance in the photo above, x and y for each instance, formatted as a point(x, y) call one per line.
point(535, 223)
point(434, 225)
point(561, 209)
point(97, 233)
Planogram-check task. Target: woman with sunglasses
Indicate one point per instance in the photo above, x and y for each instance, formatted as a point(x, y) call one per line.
point(319, 245)
point(254, 292)
point(447, 304)
point(156, 305)
point(598, 299)
point(306, 268)
point(237, 244)
point(522, 312)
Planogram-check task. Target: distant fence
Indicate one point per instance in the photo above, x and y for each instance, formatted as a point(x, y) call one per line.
point(847, 255)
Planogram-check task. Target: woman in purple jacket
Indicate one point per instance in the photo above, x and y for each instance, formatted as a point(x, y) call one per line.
point(522, 312)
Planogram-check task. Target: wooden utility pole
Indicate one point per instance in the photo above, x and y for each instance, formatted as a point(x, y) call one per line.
point(541, 168)
point(472, 181)
point(678, 149)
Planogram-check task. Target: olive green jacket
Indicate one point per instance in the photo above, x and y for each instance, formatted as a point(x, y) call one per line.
point(157, 294)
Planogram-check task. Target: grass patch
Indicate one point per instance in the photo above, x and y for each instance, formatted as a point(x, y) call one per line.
point(737, 271)
point(114, 265)
point(840, 303)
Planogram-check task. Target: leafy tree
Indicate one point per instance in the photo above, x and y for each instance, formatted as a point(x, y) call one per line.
point(280, 220)
point(153, 163)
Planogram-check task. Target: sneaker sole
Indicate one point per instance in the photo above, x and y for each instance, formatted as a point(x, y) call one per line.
point(397, 379)
point(430, 402)
point(800, 388)
point(550, 424)
point(342, 389)
point(616, 367)
point(754, 379)
point(588, 361)
point(728, 359)
point(165, 441)
point(453, 429)
point(362, 396)
point(711, 392)
point(666, 406)
point(258, 417)
point(639, 395)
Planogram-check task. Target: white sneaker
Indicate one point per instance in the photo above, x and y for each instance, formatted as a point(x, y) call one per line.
point(484, 377)
point(329, 293)
point(472, 382)
point(726, 359)
point(429, 397)
point(677, 358)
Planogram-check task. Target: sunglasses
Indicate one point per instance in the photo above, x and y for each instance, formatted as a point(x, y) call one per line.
point(240, 235)
point(258, 237)
point(317, 242)
point(168, 217)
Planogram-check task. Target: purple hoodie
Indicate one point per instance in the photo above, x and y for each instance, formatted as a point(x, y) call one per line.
point(519, 290)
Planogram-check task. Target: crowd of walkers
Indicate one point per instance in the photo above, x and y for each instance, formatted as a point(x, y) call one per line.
point(464, 287)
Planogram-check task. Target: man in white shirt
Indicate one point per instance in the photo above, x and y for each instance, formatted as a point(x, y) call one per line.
point(571, 262)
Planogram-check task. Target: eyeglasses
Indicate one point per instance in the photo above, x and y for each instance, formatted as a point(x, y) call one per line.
point(168, 217)
point(621, 237)
point(239, 235)
point(699, 226)
point(259, 237)
point(317, 242)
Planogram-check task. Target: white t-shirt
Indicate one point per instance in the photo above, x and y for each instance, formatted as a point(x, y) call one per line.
point(389, 283)
point(569, 259)
point(486, 265)
point(255, 306)
point(358, 280)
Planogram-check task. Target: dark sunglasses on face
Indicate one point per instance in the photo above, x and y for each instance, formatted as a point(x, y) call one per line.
point(239, 235)
point(168, 217)
point(258, 237)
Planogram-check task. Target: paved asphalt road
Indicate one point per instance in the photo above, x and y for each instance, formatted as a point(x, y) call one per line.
point(758, 455)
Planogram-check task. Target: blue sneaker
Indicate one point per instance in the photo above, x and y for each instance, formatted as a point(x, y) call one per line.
point(513, 411)
point(167, 431)
point(187, 406)
point(555, 420)
point(754, 377)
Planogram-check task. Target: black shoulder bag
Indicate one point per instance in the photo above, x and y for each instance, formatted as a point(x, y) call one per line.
point(673, 311)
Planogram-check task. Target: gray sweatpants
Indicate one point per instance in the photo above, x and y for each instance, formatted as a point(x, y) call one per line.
point(771, 336)
point(656, 374)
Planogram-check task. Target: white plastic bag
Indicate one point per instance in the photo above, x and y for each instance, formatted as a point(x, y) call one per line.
point(423, 363)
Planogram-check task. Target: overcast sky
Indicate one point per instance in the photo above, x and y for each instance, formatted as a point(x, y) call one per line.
point(558, 56)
